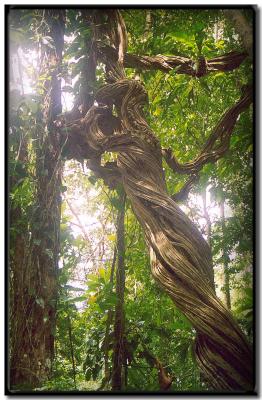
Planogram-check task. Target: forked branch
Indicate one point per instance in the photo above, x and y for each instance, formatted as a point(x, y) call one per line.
point(184, 191)
point(218, 142)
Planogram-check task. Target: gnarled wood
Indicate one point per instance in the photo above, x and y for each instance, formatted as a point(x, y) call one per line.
point(180, 257)
point(182, 65)
point(218, 142)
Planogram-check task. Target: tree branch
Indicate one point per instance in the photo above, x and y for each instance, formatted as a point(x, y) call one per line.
point(164, 379)
point(211, 151)
point(183, 65)
point(184, 192)
point(109, 172)
point(119, 324)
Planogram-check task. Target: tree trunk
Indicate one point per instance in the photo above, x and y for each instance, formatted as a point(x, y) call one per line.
point(119, 326)
point(19, 237)
point(180, 257)
point(148, 24)
point(71, 347)
point(242, 27)
point(34, 314)
point(108, 324)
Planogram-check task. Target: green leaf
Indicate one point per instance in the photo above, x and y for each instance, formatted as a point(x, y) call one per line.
point(76, 299)
point(92, 179)
point(88, 374)
point(116, 202)
point(102, 272)
point(69, 287)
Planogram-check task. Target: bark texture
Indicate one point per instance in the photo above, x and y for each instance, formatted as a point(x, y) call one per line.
point(119, 326)
point(109, 321)
point(180, 257)
point(242, 27)
point(32, 342)
point(183, 65)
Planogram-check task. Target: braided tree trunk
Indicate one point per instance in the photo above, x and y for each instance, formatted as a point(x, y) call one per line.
point(180, 257)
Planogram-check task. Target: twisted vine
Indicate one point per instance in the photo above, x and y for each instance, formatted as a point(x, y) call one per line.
point(180, 258)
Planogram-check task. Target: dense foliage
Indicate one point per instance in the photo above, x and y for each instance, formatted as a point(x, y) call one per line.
point(183, 111)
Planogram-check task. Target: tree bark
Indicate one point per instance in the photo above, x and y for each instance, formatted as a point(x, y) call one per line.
point(183, 65)
point(71, 347)
point(33, 345)
point(108, 324)
point(119, 326)
point(242, 28)
point(180, 258)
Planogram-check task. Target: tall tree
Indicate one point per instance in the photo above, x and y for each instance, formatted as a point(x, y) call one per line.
point(34, 270)
point(180, 257)
point(116, 123)
point(119, 326)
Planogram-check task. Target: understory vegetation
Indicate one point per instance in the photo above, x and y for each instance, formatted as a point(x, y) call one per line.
point(131, 200)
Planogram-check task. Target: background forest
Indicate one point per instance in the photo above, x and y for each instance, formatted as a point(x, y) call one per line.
point(85, 312)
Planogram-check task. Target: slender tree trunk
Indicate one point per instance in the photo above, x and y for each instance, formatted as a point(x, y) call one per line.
point(71, 347)
point(108, 323)
point(242, 27)
point(33, 345)
point(18, 249)
point(225, 256)
point(148, 24)
point(119, 326)
point(164, 380)
point(20, 238)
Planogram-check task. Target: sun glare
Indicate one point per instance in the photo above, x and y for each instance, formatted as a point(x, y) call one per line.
point(86, 222)
point(89, 222)
point(24, 70)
